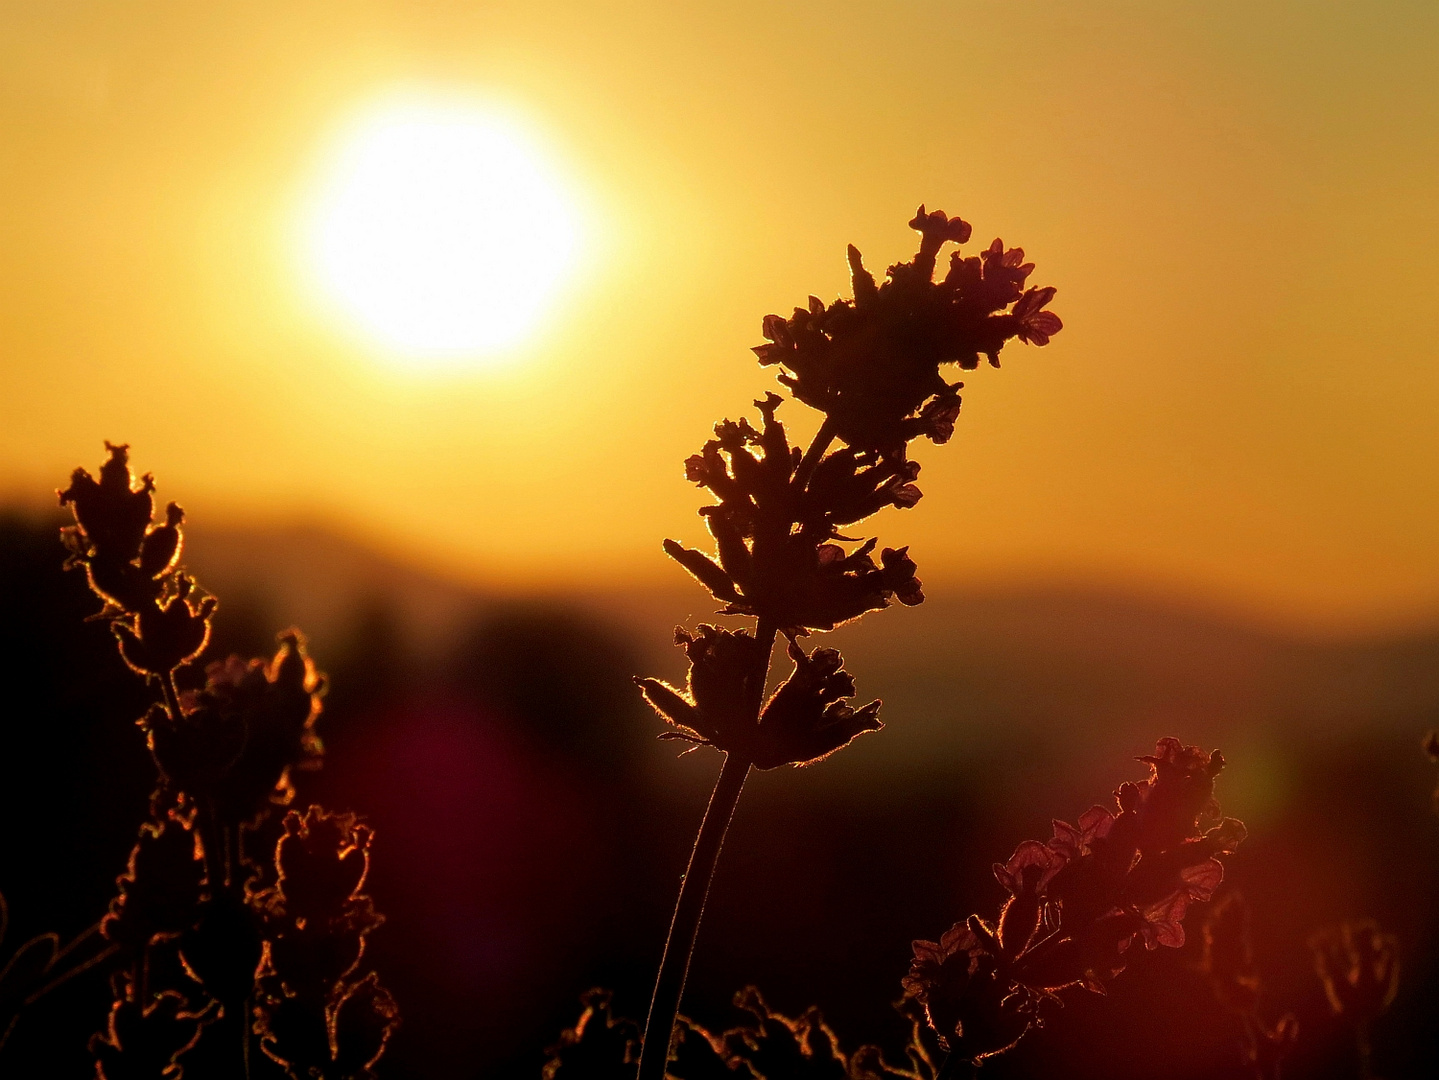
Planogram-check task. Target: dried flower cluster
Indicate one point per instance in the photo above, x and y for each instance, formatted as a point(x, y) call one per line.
point(1125, 873)
point(212, 951)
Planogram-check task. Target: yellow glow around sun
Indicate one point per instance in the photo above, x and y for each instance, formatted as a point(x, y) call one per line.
point(439, 232)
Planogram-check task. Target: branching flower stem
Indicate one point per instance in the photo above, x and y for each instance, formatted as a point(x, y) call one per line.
point(172, 698)
point(694, 890)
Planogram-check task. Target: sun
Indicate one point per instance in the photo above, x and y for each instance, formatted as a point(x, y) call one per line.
point(439, 232)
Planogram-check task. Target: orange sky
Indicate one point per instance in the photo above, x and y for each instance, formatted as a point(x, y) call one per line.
point(1236, 201)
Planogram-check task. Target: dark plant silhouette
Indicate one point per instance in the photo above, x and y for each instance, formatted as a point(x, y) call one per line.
point(212, 947)
point(1359, 967)
point(599, 1047)
point(317, 1016)
point(871, 366)
point(764, 1045)
point(1228, 963)
point(1080, 908)
point(1078, 905)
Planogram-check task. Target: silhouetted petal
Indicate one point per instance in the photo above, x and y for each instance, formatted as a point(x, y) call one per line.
point(243, 735)
point(719, 705)
point(114, 512)
point(166, 634)
point(222, 948)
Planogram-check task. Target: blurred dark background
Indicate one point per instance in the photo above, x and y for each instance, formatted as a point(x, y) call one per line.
point(531, 831)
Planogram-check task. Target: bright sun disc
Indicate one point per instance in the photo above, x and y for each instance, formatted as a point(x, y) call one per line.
point(439, 232)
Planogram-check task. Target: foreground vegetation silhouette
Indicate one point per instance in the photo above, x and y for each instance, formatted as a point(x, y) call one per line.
point(233, 933)
point(239, 941)
point(1080, 906)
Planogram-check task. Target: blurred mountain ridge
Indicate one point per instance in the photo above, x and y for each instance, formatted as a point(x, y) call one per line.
point(1065, 663)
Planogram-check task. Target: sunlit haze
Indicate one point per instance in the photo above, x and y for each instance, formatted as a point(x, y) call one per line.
point(1236, 202)
point(438, 230)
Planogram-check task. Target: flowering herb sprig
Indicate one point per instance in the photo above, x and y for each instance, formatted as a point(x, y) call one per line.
point(1126, 873)
point(212, 948)
point(871, 365)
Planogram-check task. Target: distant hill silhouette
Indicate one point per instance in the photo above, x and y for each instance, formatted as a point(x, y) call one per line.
point(967, 668)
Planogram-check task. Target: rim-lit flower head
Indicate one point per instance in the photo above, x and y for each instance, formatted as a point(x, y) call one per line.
point(775, 528)
point(972, 1006)
point(195, 936)
point(244, 734)
point(871, 364)
point(316, 1015)
point(807, 719)
point(1077, 904)
point(130, 562)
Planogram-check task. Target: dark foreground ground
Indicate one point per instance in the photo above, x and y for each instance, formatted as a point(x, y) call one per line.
point(530, 831)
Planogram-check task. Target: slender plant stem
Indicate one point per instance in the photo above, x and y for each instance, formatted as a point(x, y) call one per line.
point(816, 450)
point(213, 844)
point(65, 976)
point(694, 890)
point(1364, 1046)
point(172, 697)
point(245, 1036)
point(57, 980)
point(764, 633)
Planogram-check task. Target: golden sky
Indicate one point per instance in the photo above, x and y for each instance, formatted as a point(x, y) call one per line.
point(1239, 204)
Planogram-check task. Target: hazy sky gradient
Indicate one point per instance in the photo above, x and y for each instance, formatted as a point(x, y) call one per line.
point(1239, 204)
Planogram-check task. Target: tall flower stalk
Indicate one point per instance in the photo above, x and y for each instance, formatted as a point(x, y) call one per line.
point(871, 365)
